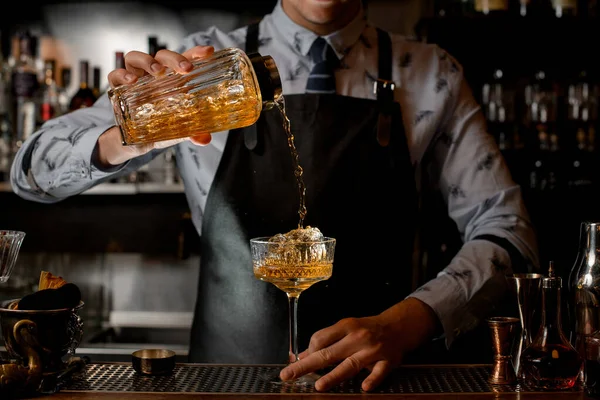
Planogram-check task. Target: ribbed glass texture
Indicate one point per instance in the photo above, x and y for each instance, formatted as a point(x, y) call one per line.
point(220, 93)
point(10, 244)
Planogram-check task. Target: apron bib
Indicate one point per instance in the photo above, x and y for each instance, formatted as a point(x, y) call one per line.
point(360, 190)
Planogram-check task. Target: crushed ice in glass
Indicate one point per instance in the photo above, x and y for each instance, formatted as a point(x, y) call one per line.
point(301, 245)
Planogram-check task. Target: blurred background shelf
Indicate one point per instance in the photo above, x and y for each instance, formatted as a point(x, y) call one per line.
point(120, 188)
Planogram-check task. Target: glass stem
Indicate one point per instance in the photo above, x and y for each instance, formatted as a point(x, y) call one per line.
point(293, 314)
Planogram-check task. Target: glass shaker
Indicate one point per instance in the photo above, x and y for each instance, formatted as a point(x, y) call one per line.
point(550, 362)
point(225, 91)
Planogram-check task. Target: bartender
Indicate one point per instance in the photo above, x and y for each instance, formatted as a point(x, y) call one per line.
point(367, 157)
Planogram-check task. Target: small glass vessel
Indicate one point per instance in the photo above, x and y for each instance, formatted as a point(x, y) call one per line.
point(550, 362)
point(225, 91)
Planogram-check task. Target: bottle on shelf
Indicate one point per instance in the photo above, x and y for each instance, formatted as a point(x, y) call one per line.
point(119, 59)
point(498, 102)
point(580, 130)
point(64, 97)
point(492, 7)
point(565, 8)
point(6, 124)
point(84, 96)
point(534, 8)
point(96, 82)
point(550, 362)
point(49, 106)
point(25, 85)
point(152, 45)
point(523, 7)
point(540, 130)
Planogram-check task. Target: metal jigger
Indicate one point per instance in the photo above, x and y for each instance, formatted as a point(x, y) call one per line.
point(527, 288)
point(503, 330)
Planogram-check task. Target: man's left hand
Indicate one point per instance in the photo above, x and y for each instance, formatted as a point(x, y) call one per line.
point(376, 343)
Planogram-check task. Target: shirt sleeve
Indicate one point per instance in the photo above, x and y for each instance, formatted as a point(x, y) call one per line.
point(56, 161)
point(487, 207)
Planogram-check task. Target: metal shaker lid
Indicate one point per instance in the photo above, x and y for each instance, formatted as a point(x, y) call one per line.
point(268, 77)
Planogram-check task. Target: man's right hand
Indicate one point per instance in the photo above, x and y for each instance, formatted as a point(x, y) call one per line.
point(111, 151)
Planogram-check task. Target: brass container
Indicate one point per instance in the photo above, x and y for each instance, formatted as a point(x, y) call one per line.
point(153, 361)
point(503, 330)
point(36, 342)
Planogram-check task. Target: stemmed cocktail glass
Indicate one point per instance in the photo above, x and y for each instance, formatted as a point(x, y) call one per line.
point(293, 265)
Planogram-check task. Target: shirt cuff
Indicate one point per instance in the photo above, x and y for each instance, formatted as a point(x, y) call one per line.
point(468, 289)
point(79, 169)
point(97, 171)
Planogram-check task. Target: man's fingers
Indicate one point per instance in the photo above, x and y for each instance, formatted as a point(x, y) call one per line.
point(345, 370)
point(314, 361)
point(120, 77)
point(199, 52)
point(380, 370)
point(175, 61)
point(141, 63)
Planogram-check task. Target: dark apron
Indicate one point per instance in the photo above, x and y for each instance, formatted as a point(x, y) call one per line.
point(360, 190)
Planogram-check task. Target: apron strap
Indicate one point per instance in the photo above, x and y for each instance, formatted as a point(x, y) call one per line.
point(252, 40)
point(384, 88)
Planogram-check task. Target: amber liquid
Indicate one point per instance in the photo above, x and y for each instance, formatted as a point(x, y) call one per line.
point(227, 105)
point(293, 279)
point(298, 171)
point(552, 367)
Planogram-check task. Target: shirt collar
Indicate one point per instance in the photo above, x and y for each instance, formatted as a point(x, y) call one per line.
point(301, 38)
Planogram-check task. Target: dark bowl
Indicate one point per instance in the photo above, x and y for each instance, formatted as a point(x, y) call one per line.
point(153, 361)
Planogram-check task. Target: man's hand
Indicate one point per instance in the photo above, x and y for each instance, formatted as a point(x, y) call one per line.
point(137, 64)
point(376, 343)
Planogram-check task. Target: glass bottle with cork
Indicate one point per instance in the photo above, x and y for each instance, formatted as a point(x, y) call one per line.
point(550, 362)
point(225, 91)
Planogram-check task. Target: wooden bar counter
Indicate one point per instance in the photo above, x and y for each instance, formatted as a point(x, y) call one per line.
point(104, 381)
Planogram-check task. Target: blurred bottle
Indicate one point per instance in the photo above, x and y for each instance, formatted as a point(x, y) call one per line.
point(580, 129)
point(84, 96)
point(565, 8)
point(541, 133)
point(119, 59)
point(25, 85)
point(64, 97)
point(97, 82)
point(498, 101)
point(6, 125)
point(152, 45)
point(49, 105)
point(491, 7)
point(534, 8)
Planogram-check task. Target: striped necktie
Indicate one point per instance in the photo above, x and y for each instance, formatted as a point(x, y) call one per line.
point(322, 77)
